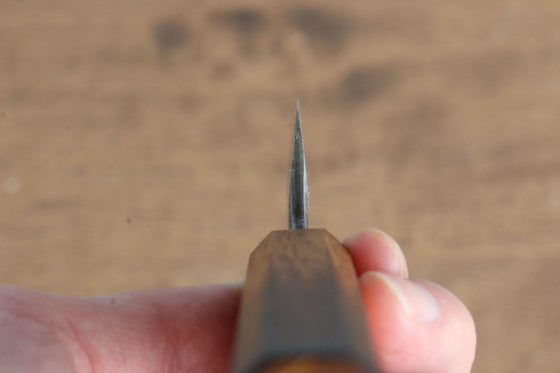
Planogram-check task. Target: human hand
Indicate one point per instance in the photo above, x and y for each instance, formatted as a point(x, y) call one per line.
point(415, 325)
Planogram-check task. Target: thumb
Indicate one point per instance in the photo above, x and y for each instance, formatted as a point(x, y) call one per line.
point(417, 326)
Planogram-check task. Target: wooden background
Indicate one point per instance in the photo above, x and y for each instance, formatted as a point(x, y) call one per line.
point(146, 144)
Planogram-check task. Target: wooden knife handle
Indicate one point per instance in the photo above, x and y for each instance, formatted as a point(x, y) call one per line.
point(301, 310)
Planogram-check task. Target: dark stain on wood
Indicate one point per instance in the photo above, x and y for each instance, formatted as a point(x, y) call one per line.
point(170, 34)
point(364, 83)
point(325, 31)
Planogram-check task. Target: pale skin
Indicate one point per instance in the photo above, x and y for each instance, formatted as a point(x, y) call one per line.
point(415, 326)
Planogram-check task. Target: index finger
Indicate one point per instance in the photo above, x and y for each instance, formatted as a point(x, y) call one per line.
point(186, 329)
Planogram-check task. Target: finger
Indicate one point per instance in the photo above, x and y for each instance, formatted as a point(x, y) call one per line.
point(417, 326)
point(188, 329)
point(30, 346)
point(374, 250)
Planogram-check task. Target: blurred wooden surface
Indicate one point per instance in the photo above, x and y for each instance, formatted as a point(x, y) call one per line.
point(146, 144)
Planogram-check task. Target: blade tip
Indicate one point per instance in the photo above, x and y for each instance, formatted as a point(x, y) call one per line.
point(298, 119)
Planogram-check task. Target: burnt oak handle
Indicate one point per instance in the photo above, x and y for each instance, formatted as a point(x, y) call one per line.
point(301, 310)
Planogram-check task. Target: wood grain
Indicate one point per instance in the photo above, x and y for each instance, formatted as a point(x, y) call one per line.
point(301, 309)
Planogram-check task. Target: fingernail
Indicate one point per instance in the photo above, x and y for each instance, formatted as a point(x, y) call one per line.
point(356, 237)
point(416, 302)
point(399, 255)
point(379, 235)
point(351, 240)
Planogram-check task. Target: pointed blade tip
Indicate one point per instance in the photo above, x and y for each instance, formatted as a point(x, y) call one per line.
point(298, 120)
point(299, 195)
